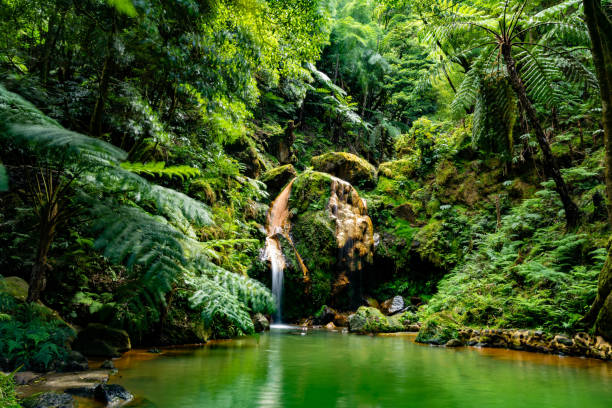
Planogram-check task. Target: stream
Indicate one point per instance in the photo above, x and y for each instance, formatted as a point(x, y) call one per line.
point(292, 367)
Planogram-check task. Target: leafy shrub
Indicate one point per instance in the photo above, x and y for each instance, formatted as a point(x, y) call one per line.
point(8, 398)
point(31, 336)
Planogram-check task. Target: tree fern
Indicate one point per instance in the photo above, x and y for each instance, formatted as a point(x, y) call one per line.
point(137, 223)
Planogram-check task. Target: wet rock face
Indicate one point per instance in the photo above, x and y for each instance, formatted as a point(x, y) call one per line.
point(326, 242)
point(346, 166)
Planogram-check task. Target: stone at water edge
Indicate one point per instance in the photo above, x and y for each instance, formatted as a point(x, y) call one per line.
point(108, 365)
point(261, 323)
point(324, 316)
point(393, 305)
point(330, 325)
point(454, 343)
point(112, 394)
point(49, 400)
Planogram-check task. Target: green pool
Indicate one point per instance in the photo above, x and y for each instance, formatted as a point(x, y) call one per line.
point(294, 368)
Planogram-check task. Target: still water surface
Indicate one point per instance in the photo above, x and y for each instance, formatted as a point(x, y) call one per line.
point(286, 368)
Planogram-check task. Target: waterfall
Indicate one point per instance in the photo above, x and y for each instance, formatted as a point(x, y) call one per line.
point(277, 225)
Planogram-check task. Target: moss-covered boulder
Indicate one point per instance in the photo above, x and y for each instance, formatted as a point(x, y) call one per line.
point(371, 320)
point(346, 166)
point(99, 340)
point(49, 400)
point(277, 178)
point(15, 287)
point(438, 329)
point(397, 168)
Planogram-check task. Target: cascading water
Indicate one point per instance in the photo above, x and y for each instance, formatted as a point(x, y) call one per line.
point(277, 225)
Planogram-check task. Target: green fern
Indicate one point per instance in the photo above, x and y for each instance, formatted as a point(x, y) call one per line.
point(159, 169)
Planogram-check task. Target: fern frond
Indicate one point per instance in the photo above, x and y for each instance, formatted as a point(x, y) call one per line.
point(159, 169)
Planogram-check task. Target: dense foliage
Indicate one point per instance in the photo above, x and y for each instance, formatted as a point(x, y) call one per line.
point(141, 140)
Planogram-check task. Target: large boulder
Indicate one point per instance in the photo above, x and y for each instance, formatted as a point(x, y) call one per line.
point(603, 325)
point(49, 400)
point(15, 287)
point(277, 178)
point(371, 320)
point(346, 166)
point(99, 340)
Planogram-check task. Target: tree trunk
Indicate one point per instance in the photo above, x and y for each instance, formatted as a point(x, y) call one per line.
point(38, 279)
point(551, 167)
point(600, 29)
point(95, 126)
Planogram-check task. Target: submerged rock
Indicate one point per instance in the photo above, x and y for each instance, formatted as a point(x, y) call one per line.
point(346, 166)
point(49, 400)
point(99, 340)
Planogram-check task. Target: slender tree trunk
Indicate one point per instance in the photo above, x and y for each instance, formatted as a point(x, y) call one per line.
point(551, 167)
point(95, 125)
point(600, 31)
point(38, 279)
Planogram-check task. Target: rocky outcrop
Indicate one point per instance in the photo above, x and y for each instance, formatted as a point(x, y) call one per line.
point(277, 178)
point(371, 320)
point(325, 315)
point(326, 241)
point(98, 340)
point(581, 344)
point(346, 166)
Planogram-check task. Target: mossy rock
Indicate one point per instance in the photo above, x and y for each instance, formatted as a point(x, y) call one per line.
point(397, 168)
point(15, 287)
point(99, 340)
point(371, 320)
point(310, 191)
point(277, 178)
point(603, 325)
point(347, 166)
point(438, 329)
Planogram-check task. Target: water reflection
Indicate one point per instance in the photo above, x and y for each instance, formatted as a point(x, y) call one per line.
point(323, 369)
